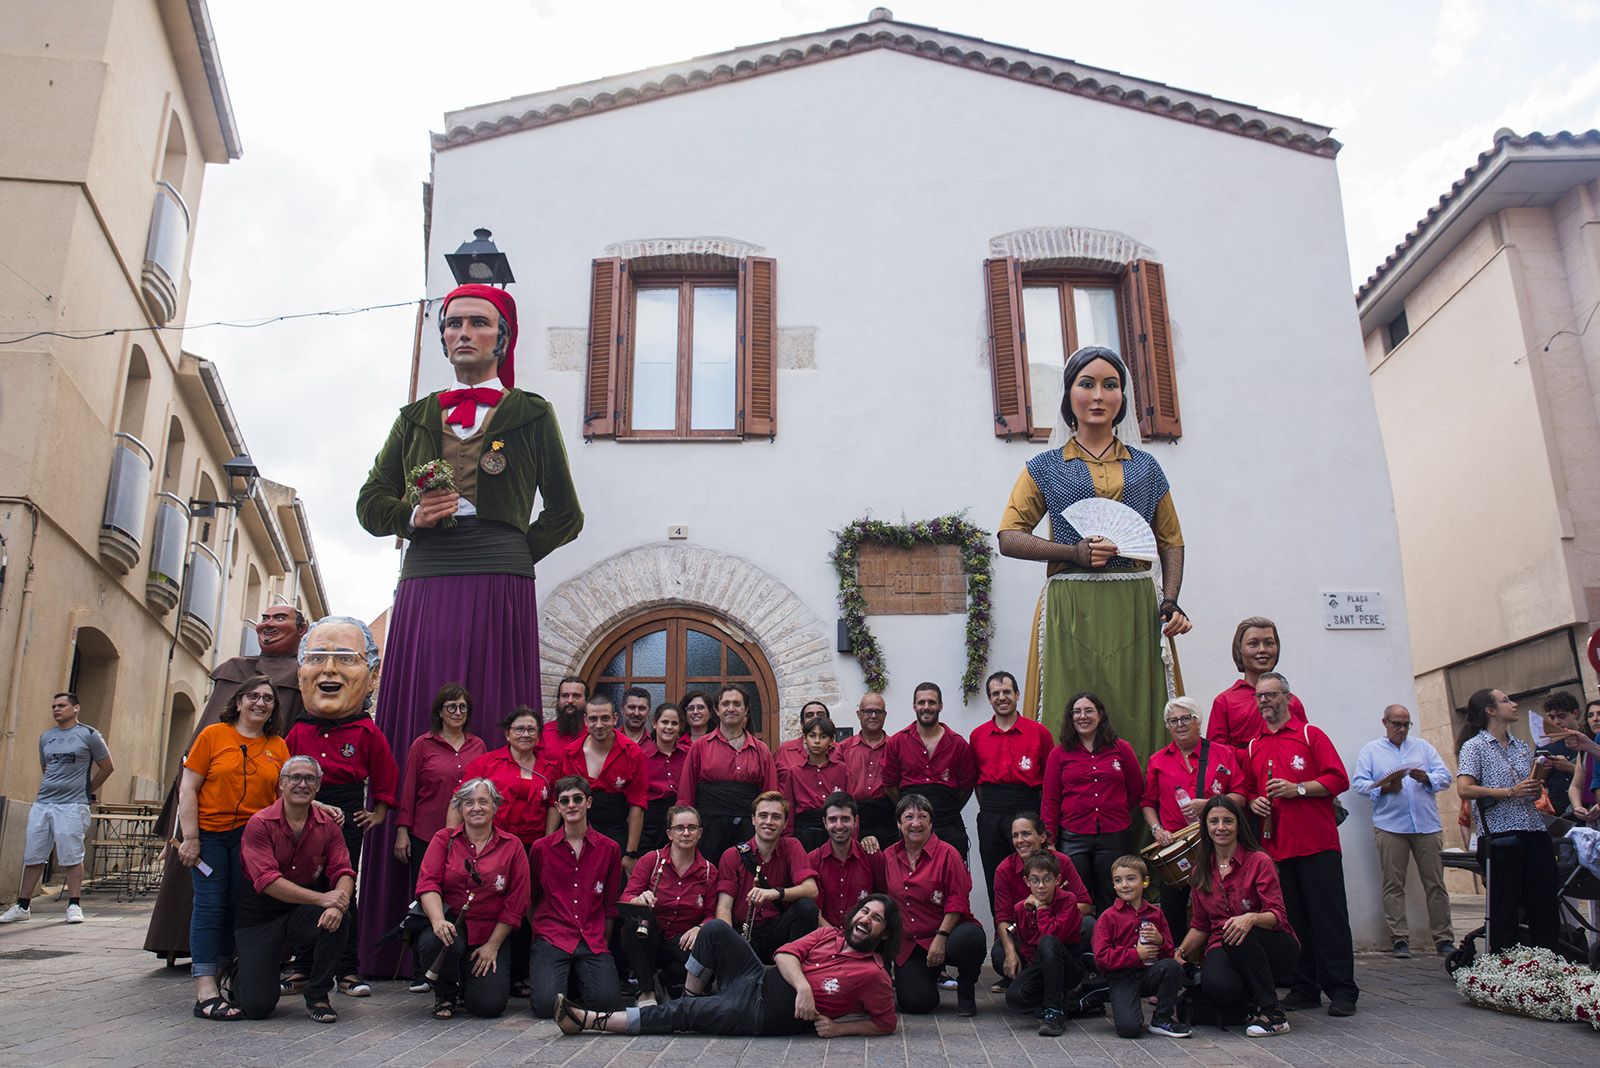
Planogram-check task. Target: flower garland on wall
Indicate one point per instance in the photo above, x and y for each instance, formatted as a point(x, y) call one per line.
point(1532, 982)
point(976, 554)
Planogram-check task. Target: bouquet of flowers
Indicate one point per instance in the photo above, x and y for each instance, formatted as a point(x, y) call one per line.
point(433, 475)
point(1532, 982)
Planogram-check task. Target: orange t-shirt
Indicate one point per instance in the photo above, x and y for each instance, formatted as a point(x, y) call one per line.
point(239, 782)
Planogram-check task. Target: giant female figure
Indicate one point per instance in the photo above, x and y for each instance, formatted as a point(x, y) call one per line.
point(1099, 623)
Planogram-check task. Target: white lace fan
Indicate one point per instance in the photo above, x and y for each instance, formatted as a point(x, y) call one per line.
point(1116, 522)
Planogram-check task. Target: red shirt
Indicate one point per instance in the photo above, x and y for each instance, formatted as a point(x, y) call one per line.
point(908, 762)
point(621, 772)
point(499, 894)
point(1235, 718)
point(864, 762)
point(524, 801)
point(1169, 772)
point(844, 980)
point(1116, 936)
point(1011, 888)
point(664, 772)
point(712, 759)
point(1060, 918)
point(553, 745)
point(1016, 756)
point(1251, 886)
point(791, 753)
point(939, 884)
point(271, 851)
point(574, 895)
point(1091, 793)
point(683, 899)
point(788, 866)
point(843, 884)
point(433, 770)
point(806, 785)
point(1298, 752)
point(350, 751)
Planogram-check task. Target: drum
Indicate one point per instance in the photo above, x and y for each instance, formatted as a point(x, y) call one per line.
point(1173, 863)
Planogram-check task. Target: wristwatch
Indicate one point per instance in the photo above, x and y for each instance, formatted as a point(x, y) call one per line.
point(1300, 788)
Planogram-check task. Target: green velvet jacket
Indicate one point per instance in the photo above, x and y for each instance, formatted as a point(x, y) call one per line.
point(536, 463)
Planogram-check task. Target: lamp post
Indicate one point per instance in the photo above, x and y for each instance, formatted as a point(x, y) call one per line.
point(480, 261)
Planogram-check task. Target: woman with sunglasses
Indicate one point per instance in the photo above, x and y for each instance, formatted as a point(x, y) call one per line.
point(229, 774)
point(477, 868)
point(679, 887)
point(436, 762)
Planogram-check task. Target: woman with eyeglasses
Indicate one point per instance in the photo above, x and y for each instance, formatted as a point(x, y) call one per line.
point(229, 774)
point(481, 869)
point(665, 757)
point(436, 762)
point(699, 719)
point(1177, 783)
point(525, 796)
point(1092, 787)
point(679, 887)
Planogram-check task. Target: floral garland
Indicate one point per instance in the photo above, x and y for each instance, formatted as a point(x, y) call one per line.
point(945, 530)
point(1532, 982)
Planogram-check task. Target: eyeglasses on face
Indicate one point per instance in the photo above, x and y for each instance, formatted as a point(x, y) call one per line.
point(523, 730)
point(455, 706)
point(1180, 721)
point(260, 698)
point(321, 659)
point(1398, 726)
point(684, 828)
point(300, 780)
point(1039, 880)
point(571, 799)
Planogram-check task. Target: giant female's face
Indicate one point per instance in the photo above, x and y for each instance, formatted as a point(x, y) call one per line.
point(1096, 395)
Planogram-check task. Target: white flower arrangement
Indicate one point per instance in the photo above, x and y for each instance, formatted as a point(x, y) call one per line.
point(1532, 982)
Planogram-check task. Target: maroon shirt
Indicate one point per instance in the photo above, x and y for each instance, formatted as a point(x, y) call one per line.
point(938, 884)
point(712, 759)
point(1251, 886)
point(1236, 719)
point(1299, 753)
point(1116, 936)
point(271, 851)
point(664, 772)
point(553, 745)
point(350, 751)
point(807, 785)
point(908, 763)
point(621, 772)
point(499, 894)
point(1060, 919)
point(574, 896)
point(683, 899)
point(433, 770)
point(1169, 772)
point(864, 762)
point(1014, 757)
point(789, 754)
point(1091, 793)
point(524, 801)
point(788, 866)
point(1011, 886)
point(844, 980)
point(843, 884)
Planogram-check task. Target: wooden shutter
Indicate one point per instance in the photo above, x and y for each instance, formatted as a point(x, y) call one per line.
point(1008, 356)
point(1155, 379)
point(607, 320)
point(758, 346)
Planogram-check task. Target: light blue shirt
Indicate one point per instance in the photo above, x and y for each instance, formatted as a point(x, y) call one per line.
point(1413, 808)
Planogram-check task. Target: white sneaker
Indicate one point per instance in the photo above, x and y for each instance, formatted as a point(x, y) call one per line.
point(15, 914)
point(74, 913)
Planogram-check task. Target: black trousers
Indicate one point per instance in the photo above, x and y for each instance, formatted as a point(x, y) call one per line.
point(1093, 855)
point(797, 919)
point(1522, 876)
point(483, 995)
point(723, 831)
point(915, 990)
point(551, 971)
point(998, 805)
point(651, 954)
point(414, 865)
point(751, 998)
point(653, 835)
point(349, 960)
point(808, 829)
point(1175, 907)
point(1313, 895)
point(1162, 978)
point(1082, 948)
point(1045, 980)
point(877, 821)
point(260, 951)
point(1249, 973)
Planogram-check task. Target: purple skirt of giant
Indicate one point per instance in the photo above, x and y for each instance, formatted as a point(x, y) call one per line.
point(481, 631)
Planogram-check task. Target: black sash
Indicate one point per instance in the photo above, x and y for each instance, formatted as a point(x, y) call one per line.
point(944, 799)
point(349, 796)
point(608, 814)
point(808, 821)
point(1007, 797)
point(726, 798)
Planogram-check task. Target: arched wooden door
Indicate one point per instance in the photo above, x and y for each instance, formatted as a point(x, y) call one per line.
point(672, 650)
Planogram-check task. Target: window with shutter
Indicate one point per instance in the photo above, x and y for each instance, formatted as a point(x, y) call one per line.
point(1008, 365)
point(758, 345)
point(1156, 380)
point(606, 332)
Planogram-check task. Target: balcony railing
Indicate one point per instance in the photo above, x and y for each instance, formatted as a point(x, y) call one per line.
point(127, 497)
point(197, 620)
point(164, 253)
point(165, 581)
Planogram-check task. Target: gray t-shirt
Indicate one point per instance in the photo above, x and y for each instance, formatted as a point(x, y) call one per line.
point(68, 758)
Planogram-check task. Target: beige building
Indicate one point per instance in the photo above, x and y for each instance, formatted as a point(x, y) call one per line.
point(117, 578)
point(1483, 345)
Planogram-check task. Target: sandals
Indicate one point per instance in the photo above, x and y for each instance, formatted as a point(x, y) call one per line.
point(354, 986)
point(217, 1008)
point(291, 984)
point(321, 1012)
point(520, 989)
point(573, 1020)
point(444, 1008)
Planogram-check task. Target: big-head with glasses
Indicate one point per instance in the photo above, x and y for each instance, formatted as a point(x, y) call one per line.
point(338, 661)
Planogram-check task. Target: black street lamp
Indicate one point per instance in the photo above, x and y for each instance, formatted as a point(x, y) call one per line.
point(480, 261)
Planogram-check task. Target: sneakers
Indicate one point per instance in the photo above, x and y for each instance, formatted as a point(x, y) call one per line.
point(74, 913)
point(1169, 1028)
point(1446, 948)
point(1000, 985)
point(1053, 1024)
point(418, 986)
point(16, 914)
point(1401, 950)
point(1267, 1024)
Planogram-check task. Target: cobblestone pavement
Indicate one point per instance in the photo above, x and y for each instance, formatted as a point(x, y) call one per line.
point(103, 1001)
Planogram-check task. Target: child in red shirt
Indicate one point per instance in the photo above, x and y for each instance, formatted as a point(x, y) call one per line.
point(1047, 923)
point(1133, 949)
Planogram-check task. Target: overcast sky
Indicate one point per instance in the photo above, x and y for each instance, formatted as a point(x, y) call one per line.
point(335, 103)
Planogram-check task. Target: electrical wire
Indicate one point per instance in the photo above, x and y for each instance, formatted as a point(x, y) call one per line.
point(237, 324)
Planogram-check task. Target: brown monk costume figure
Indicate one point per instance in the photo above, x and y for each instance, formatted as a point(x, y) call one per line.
point(278, 632)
